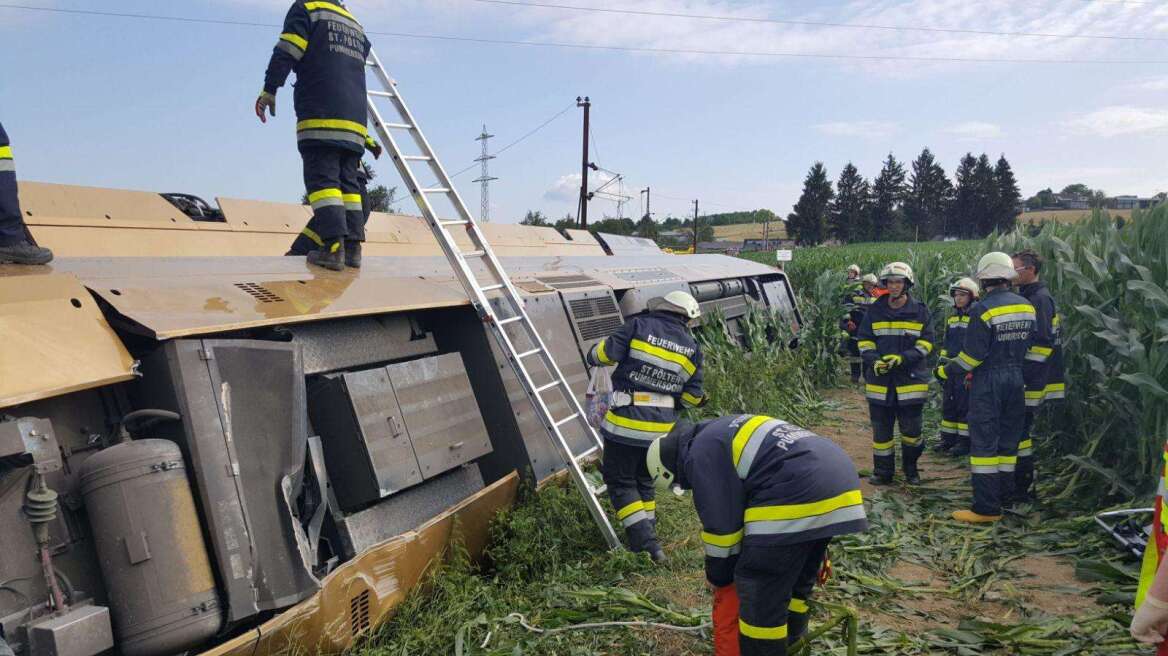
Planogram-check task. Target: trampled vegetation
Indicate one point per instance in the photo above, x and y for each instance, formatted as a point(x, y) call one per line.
point(921, 583)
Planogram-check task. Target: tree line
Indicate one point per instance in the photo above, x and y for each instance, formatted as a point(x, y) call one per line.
point(898, 206)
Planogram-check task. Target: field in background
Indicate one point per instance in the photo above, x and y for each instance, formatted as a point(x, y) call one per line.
point(1067, 216)
point(740, 231)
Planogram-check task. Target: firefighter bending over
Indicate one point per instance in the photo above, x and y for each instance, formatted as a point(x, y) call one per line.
point(327, 48)
point(658, 368)
point(770, 496)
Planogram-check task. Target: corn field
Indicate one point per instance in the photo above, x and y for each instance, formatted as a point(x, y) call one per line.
point(1111, 286)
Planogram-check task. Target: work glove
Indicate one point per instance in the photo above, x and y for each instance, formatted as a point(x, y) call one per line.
point(266, 101)
point(940, 374)
point(373, 147)
point(1150, 623)
point(894, 360)
point(881, 367)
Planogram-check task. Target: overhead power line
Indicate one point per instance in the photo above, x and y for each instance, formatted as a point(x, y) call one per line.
point(613, 48)
point(521, 139)
point(811, 23)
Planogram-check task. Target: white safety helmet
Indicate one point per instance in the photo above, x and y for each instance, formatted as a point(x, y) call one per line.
point(996, 266)
point(870, 278)
point(897, 270)
point(677, 302)
point(965, 285)
point(854, 268)
point(663, 477)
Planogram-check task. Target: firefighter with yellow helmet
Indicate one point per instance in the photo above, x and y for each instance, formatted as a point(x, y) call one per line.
point(894, 341)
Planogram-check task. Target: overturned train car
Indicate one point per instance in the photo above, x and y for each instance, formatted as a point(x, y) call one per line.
point(205, 448)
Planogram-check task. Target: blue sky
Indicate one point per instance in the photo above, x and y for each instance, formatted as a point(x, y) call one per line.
point(166, 106)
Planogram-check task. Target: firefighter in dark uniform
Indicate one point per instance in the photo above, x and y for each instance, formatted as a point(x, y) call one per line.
point(1043, 369)
point(1001, 326)
point(327, 48)
point(895, 339)
point(658, 369)
point(954, 393)
point(770, 496)
point(16, 245)
point(855, 302)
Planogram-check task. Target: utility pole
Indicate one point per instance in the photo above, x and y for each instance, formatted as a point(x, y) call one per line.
point(584, 195)
point(695, 228)
point(485, 178)
point(648, 197)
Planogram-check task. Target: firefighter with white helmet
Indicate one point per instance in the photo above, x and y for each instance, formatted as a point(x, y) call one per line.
point(855, 301)
point(1001, 326)
point(658, 370)
point(894, 341)
point(955, 394)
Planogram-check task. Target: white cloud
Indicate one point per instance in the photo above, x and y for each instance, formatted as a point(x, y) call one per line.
point(1119, 120)
point(975, 131)
point(1154, 84)
point(564, 190)
point(860, 129)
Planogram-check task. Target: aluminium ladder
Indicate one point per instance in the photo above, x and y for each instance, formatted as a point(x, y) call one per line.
point(508, 309)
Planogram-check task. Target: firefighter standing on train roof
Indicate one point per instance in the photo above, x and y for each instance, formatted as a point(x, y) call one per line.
point(955, 393)
point(770, 496)
point(16, 245)
point(658, 369)
point(327, 48)
point(894, 341)
point(855, 302)
point(1043, 369)
point(1001, 326)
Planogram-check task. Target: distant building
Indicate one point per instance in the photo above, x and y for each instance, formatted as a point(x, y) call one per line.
point(1133, 202)
point(723, 247)
point(749, 245)
point(1073, 202)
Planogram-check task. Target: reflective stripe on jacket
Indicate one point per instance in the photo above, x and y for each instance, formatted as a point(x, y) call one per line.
point(1158, 542)
point(1001, 327)
point(652, 352)
point(761, 481)
point(327, 48)
point(906, 332)
point(1043, 369)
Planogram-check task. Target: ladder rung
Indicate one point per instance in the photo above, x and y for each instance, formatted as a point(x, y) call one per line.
point(397, 126)
point(417, 158)
point(435, 190)
point(452, 222)
point(474, 253)
point(567, 419)
point(382, 94)
point(544, 388)
point(491, 288)
point(528, 354)
point(587, 453)
point(504, 322)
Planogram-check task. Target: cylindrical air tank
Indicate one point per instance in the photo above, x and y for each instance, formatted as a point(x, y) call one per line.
point(150, 545)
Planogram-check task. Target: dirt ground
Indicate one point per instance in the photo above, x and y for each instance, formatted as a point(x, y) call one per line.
point(1048, 583)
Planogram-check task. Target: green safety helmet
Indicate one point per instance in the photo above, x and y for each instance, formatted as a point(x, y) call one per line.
point(996, 266)
point(661, 459)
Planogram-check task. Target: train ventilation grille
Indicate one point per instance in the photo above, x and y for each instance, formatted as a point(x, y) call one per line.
point(259, 292)
point(595, 317)
point(359, 613)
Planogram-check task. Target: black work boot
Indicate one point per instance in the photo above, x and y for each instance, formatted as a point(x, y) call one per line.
point(353, 254)
point(880, 479)
point(330, 256)
point(25, 252)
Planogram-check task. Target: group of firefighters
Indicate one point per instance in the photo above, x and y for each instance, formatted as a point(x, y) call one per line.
point(1000, 360)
